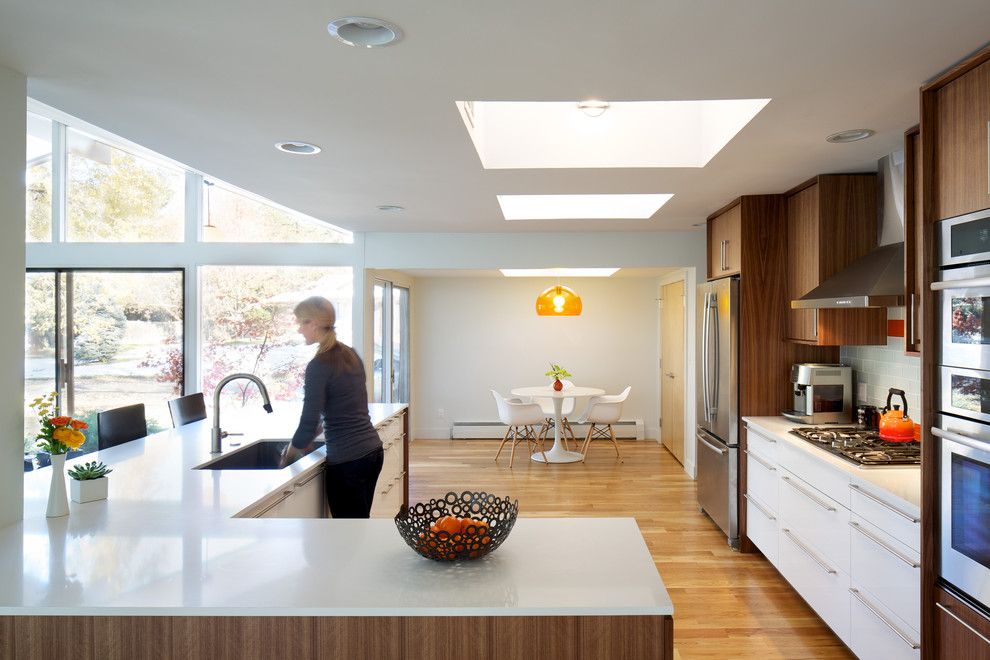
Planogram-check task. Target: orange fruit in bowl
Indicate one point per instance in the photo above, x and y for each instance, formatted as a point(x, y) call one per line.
point(449, 524)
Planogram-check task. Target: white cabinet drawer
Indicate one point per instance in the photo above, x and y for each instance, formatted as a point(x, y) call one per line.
point(761, 528)
point(875, 634)
point(761, 479)
point(894, 516)
point(763, 444)
point(888, 570)
point(817, 518)
point(815, 471)
point(820, 583)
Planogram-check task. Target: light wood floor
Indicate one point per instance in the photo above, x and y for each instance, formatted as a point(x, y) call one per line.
point(726, 604)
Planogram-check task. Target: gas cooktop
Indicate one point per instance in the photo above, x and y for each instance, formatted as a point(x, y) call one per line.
point(859, 446)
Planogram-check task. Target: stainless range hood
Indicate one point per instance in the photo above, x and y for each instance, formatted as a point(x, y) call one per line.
point(877, 279)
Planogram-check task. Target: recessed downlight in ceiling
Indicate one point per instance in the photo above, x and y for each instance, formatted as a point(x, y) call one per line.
point(550, 134)
point(558, 272)
point(852, 135)
point(298, 148)
point(364, 31)
point(581, 207)
point(391, 208)
point(593, 108)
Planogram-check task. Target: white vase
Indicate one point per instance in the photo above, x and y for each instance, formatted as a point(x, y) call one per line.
point(88, 490)
point(58, 504)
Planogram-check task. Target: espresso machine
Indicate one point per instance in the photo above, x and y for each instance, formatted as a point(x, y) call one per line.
point(822, 394)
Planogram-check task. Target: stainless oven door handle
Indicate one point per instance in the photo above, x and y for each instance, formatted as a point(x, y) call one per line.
point(897, 631)
point(961, 439)
point(971, 283)
point(966, 625)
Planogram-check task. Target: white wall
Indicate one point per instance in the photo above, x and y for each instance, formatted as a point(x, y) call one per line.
point(471, 335)
point(13, 109)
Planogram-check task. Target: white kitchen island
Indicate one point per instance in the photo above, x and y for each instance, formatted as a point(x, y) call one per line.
point(163, 568)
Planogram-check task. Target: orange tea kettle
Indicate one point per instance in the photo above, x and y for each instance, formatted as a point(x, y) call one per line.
point(895, 425)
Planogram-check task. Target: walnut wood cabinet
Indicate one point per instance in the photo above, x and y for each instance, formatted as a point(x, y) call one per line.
point(725, 243)
point(960, 631)
point(831, 222)
point(962, 143)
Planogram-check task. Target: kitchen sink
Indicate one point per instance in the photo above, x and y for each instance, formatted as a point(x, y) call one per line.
point(260, 455)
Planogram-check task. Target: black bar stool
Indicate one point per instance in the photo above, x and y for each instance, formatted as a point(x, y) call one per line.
point(120, 425)
point(187, 409)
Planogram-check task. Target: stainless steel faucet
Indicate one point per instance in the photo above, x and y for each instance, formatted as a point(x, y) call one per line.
point(217, 433)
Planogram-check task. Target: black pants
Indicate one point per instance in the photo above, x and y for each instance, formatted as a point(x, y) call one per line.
point(351, 485)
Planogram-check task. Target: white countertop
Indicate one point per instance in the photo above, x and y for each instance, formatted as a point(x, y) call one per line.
point(164, 543)
point(901, 482)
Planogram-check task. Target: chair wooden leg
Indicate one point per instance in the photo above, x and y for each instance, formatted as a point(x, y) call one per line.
point(504, 438)
point(515, 441)
point(615, 444)
point(539, 445)
point(568, 429)
point(587, 441)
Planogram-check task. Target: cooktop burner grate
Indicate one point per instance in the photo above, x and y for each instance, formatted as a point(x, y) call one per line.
point(859, 446)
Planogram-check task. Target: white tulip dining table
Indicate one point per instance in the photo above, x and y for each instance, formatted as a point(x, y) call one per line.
point(557, 453)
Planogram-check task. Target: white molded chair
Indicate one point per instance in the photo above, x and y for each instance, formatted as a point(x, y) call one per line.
point(602, 412)
point(518, 415)
point(566, 408)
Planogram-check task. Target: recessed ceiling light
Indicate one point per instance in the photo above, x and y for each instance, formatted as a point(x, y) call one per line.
point(298, 148)
point(593, 108)
point(364, 31)
point(549, 134)
point(581, 207)
point(700, 224)
point(851, 135)
point(558, 272)
point(391, 208)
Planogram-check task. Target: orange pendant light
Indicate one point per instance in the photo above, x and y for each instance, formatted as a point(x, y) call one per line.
point(558, 301)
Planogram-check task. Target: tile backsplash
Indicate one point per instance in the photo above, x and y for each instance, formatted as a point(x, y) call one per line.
point(878, 368)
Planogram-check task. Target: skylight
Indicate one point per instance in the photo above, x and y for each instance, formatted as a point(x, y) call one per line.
point(554, 134)
point(581, 207)
point(558, 272)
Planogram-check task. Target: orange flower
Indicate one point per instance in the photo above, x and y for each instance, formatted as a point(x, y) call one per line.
point(62, 435)
point(61, 421)
point(75, 440)
point(79, 425)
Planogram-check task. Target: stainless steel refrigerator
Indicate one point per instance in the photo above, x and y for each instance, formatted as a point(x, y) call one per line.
point(717, 441)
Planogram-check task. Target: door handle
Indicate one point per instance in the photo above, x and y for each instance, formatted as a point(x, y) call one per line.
point(877, 540)
point(811, 497)
point(868, 494)
point(720, 450)
point(897, 631)
point(714, 398)
point(704, 357)
point(724, 245)
point(966, 625)
point(806, 550)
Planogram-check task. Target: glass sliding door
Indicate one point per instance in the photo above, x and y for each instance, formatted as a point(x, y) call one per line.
point(104, 339)
point(391, 343)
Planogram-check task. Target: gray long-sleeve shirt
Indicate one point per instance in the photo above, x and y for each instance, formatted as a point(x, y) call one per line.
point(340, 396)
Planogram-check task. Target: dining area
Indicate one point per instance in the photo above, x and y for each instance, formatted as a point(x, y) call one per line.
point(533, 412)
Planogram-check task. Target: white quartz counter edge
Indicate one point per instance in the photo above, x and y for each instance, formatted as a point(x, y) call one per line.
point(902, 483)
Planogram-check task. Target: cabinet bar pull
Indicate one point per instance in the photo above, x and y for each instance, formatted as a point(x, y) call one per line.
point(811, 497)
point(310, 478)
point(879, 501)
point(285, 495)
point(759, 507)
point(806, 550)
point(911, 322)
point(759, 460)
point(966, 625)
point(883, 545)
point(724, 245)
point(897, 631)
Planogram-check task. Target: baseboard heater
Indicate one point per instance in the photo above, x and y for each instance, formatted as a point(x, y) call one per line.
point(626, 428)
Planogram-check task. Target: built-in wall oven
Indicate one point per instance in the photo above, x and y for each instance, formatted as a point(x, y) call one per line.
point(962, 427)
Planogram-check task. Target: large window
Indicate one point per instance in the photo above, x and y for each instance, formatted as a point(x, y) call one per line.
point(113, 195)
point(248, 325)
point(39, 178)
point(103, 339)
point(232, 217)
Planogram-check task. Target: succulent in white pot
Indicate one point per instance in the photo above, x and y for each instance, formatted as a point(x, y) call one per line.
point(89, 482)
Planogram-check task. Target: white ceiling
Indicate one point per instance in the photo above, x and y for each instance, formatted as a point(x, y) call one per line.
point(215, 84)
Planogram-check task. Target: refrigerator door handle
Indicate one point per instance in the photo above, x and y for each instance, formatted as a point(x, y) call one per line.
point(714, 396)
point(704, 357)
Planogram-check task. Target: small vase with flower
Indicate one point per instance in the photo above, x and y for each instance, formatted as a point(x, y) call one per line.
point(58, 435)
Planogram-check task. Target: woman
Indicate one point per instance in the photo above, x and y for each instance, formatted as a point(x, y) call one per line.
point(335, 388)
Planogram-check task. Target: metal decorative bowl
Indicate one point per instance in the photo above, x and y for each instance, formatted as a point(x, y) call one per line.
point(428, 527)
